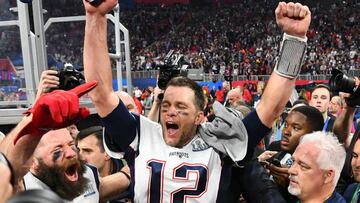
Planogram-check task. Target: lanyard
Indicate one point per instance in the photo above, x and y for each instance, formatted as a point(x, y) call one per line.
point(326, 124)
point(356, 194)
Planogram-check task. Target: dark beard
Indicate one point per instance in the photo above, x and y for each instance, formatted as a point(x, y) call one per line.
point(53, 176)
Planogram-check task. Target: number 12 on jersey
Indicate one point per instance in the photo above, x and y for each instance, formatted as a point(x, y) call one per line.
point(180, 173)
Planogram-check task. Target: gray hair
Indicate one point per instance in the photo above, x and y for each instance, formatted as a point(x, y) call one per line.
point(332, 153)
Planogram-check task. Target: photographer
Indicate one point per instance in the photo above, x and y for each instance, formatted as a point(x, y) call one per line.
point(49, 80)
point(165, 153)
point(300, 121)
point(65, 79)
point(342, 128)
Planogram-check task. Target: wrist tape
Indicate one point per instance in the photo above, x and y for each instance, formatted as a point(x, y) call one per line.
point(292, 54)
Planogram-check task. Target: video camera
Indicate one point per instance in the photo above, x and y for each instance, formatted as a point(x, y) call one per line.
point(174, 65)
point(69, 77)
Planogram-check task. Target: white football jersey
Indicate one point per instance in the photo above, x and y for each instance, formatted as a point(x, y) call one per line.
point(168, 174)
point(91, 195)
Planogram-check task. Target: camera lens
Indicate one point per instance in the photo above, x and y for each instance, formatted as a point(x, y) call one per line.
point(341, 82)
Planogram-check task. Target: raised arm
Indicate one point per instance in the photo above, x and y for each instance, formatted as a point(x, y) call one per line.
point(97, 64)
point(19, 155)
point(343, 124)
point(294, 20)
point(154, 111)
point(113, 185)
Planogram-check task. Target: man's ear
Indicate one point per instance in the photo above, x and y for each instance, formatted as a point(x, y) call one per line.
point(107, 157)
point(34, 164)
point(199, 117)
point(329, 176)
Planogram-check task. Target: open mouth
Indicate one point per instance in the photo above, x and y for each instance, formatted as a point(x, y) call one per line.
point(71, 173)
point(171, 128)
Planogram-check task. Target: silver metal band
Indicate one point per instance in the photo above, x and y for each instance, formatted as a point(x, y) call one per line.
point(291, 58)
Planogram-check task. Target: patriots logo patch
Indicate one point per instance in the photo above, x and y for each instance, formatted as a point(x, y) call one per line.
point(199, 145)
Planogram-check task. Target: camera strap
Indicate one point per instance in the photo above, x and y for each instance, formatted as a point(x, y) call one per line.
point(292, 54)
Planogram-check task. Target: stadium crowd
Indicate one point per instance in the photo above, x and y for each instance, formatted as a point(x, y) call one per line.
point(241, 37)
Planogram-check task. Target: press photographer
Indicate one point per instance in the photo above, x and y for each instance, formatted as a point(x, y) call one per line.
point(65, 79)
point(340, 82)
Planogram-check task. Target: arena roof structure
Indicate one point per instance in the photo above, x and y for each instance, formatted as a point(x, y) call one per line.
point(29, 28)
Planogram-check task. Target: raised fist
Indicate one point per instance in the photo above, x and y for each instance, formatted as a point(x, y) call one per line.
point(102, 8)
point(293, 18)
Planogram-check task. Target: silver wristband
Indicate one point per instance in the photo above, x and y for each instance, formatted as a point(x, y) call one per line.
point(291, 57)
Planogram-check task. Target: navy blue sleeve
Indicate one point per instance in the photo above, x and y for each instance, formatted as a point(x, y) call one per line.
point(94, 170)
point(256, 131)
point(120, 128)
point(349, 192)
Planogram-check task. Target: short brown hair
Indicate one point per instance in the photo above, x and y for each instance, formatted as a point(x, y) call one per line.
point(186, 82)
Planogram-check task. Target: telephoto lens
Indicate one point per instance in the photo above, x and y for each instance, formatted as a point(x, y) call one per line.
point(341, 82)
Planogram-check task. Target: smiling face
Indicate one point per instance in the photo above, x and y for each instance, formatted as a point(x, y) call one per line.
point(296, 125)
point(179, 116)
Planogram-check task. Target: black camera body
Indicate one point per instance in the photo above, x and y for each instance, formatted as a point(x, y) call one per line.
point(69, 78)
point(174, 65)
point(281, 159)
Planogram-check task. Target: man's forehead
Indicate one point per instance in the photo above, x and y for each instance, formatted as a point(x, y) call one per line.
point(91, 139)
point(178, 91)
point(307, 152)
point(357, 146)
point(321, 91)
point(56, 136)
point(297, 120)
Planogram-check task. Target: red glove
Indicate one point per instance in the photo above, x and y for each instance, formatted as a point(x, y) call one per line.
point(55, 110)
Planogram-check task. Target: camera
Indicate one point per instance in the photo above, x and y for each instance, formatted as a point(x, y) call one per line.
point(69, 77)
point(174, 65)
point(282, 159)
point(339, 81)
